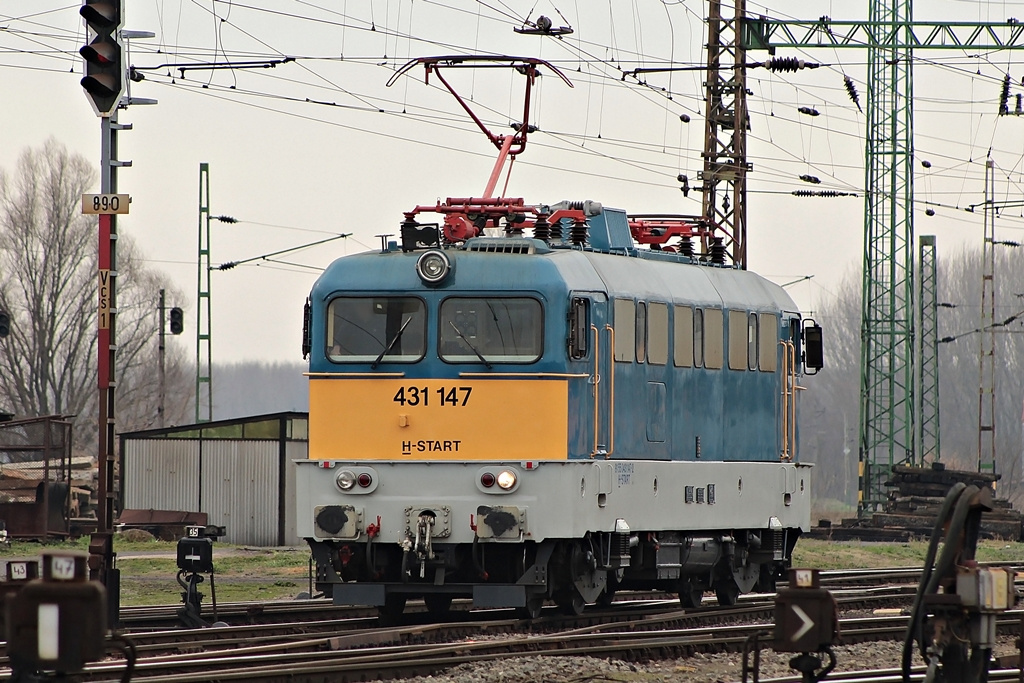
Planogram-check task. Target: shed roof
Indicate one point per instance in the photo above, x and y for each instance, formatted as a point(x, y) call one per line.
point(254, 427)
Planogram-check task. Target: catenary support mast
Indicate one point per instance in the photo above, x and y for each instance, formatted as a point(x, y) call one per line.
point(204, 353)
point(724, 178)
point(928, 353)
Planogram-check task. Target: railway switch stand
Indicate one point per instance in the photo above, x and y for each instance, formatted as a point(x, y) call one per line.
point(195, 558)
point(953, 620)
point(806, 622)
point(56, 623)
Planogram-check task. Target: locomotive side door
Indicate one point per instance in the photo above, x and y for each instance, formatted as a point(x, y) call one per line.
point(590, 355)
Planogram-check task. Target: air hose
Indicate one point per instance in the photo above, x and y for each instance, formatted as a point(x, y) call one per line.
point(950, 506)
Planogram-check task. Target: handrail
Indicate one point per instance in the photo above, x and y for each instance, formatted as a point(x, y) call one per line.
point(354, 374)
point(611, 390)
point(786, 345)
point(542, 375)
point(792, 408)
point(789, 389)
point(597, 381)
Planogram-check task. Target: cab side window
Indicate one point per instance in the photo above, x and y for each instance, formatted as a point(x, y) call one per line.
point(625, 330)
point(682, 353)
point(641, 332)
point(657, 333)
point(579, 327)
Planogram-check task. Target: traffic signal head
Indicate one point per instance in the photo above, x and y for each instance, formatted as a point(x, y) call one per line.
point(5, 324)
point(177, 321)
point(104, 54)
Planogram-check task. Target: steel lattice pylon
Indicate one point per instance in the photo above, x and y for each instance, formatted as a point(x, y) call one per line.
point(928, 353)
point(724, 178)
point(887, 425)
point(887, 313)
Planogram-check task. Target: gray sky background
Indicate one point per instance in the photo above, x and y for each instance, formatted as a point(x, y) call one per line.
point(320, 146)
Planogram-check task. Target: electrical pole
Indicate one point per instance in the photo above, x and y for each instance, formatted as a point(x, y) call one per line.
point(724, 178)
point(987, 344)
point(163, 372)
point(928, 353)
point(204, 352)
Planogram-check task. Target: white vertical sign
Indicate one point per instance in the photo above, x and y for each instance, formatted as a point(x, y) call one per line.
point(49, 632)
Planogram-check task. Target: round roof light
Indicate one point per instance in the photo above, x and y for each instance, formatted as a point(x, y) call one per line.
point(506, 479)
point(433, 267)
point(346, 480)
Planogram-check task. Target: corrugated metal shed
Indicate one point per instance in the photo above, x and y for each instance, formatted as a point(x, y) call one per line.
point(237, 471)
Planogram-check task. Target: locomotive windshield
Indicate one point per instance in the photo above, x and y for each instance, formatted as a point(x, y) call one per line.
point(491, 330)
point(376, 329)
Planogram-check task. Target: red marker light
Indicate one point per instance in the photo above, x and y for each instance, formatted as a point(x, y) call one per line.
point(487, 480)
point(364, 480)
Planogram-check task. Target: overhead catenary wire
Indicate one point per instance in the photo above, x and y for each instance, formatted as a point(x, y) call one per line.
point(228, 265)
point(579, 48)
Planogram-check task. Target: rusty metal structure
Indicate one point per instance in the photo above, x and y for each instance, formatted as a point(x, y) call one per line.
point(35, 477)
point(724, 178)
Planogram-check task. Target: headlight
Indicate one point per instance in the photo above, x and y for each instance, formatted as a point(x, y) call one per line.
point(433, 267)
point(346, 480)
point(506, 479)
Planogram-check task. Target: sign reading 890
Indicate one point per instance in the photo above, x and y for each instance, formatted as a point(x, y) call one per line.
point(105, 203)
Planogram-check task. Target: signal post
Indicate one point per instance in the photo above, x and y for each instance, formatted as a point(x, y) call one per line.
point(104, 84)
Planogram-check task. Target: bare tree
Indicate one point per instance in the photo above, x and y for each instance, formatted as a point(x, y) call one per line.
point(830, 410)
point(48, 284)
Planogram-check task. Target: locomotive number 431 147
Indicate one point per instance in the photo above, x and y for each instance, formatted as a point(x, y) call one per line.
point(445, 396)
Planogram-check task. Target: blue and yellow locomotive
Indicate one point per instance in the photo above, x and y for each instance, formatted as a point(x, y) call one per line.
point(521, 403)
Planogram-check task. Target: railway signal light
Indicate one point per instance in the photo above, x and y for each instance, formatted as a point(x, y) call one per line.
point(177, 321)
point(103, 54)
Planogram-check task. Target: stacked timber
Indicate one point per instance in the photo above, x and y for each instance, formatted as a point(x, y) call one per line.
point(914, 502)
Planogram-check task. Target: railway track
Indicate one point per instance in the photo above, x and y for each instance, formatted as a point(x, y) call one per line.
point(135, 619)
point(355, 649)
point(149, 618)
point(342, 644)
point(340, 659)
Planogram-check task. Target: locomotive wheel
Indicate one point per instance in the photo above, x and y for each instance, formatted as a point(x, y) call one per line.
point(691, 593)
point(727, 592)
point(571, 602)
point(532, 610)
point(437, 603)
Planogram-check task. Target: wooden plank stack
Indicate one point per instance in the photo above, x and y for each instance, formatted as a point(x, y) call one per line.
point(914, 501)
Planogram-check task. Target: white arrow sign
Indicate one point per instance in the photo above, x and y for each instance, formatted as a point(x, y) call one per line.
point(807, 626)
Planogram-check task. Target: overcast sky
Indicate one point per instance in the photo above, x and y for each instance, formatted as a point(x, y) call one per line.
point(320, 146)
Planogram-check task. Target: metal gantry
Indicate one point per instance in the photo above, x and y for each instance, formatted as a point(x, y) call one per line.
point(887, 425)
point(928, 353)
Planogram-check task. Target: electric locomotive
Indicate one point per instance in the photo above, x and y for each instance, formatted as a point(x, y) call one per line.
point(520, 403)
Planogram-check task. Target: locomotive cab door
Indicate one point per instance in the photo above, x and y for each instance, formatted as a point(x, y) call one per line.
point(789, 370)
point(589, 350)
